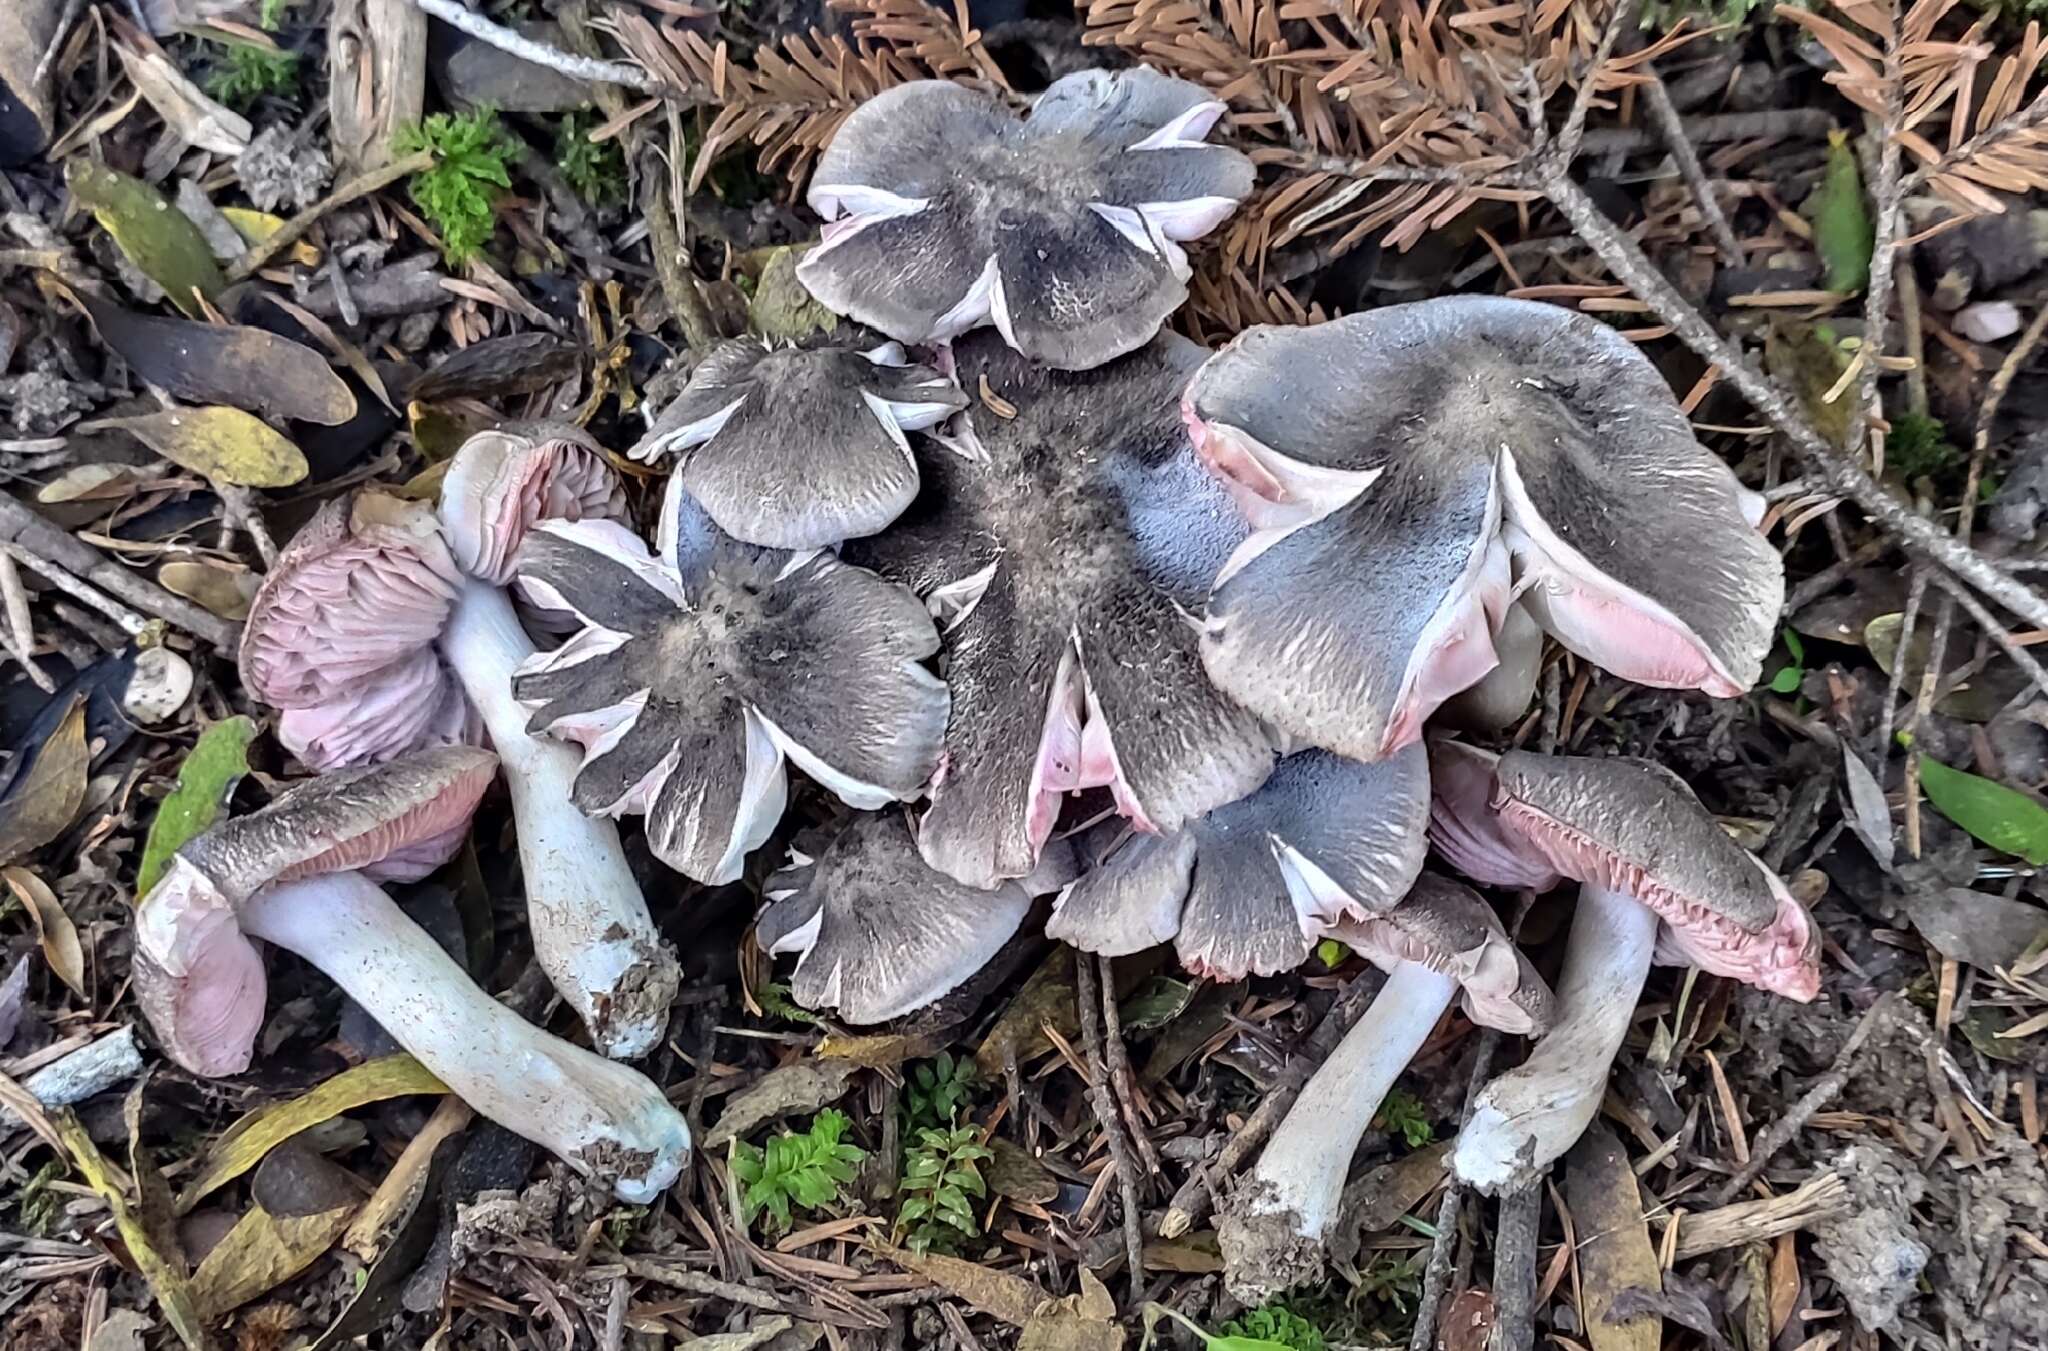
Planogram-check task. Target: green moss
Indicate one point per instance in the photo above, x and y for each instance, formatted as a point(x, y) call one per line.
point(459, 195)
point(597, 170)
point(1918, 446)
point(246, 72)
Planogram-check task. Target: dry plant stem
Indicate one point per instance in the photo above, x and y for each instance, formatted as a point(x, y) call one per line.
point(1121, 1081)
point(1626, 260)
point(1821, 1197)
point(92, 1068)
point(130, 622)
point(365, 1233)
point(457, 15)
point(1437, 1273)
point(20, 633)
point(1916, 596)
point(1191, 1204)
point(671, 265)
point(1657, 103)
point(1780, 1132)
point(35, 540)
point(240, 506)
point(293, 230)
point(1514, 1271)
point(1103, 1098)
point(1877, 300)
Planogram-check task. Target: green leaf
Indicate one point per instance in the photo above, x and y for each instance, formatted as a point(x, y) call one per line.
point(1795, 646)
point(1786, 681)
point(215, 764)
point(2008, 821)
point(1331, 953)
point(1842, 229)
point(156, 236)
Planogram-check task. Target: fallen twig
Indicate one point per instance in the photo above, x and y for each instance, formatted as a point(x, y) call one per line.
point(1806, 123)
point(456, 15)
point(1821, 1197)
point(92, 1068)
point(18, 634)
point(1664, 117)
point(1103, 1097)
point(38, 540)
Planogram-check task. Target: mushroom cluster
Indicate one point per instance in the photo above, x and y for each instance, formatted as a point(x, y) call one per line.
point(1054, 603)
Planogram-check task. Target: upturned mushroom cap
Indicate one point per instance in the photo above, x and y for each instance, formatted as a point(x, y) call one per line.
point(198, 979)
point(1635, 828)
point(360, 591)
point(687, 691)
point(801, 447)
point(1465, 828)
point(1061, 548)
point(1448, 928)
point(1249, 887)
point(504, 482)
point(878, 931)
point(945, 211)
point(412, 703)
point(1420, 443)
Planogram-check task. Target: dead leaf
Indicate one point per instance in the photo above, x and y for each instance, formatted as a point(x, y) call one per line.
point(233, 364)
point(1615, 1253)
point(1014, 1173)
point(302, 1205)
point(1019, 1034)
point(156, 236)
point(1391, 1190)
point(1083, 1322)
point(787, 1090)
point(226, 444)
point(54, 929)
point(245, 1143)
point(13, 995)
point(500, 368)
point(48, 796)
point(120, 1330)
point(196, 118)
point(1785, 1282)
point(226, 593)
point(1869, 816)
point(879, 1052)
point(256, 226)
point(759, 1335)
point(90, 483)
point(1692, 1304)
point(998, 1294)
point(1197, 1254)
point(1467, 1321)
point(1976, 928)
point(166, 1280)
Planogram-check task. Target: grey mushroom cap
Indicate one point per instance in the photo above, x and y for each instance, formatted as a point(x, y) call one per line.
point(688, 690)
point(1247, 888)
point(1447, 927)
point(1631, 543)
point(1061, 546)
point(945, 211)
point(801, 447)
point(877, 931)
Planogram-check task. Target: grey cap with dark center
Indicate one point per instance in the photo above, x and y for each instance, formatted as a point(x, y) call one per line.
point(687, 694)
point(1447, 927)
point(1631, 543)
point(878, 931)
point(1061, 543)
point(1248, 886)
point(945, 211)
point(801, 447)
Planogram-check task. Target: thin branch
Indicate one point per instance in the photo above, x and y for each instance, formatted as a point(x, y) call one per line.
point(1995, 630)
point(1566, 147)
point(456, 15)
point(1843, 476)
point(1718, 129)
point(1103, 1098)
point(1664, 116)
point(1890, 198)
point(362, 185)
point(36, 539)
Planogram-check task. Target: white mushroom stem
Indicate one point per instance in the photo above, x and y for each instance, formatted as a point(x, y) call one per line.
point(1277, 1234)
point(1525, 1120)
point(602, 1118)
point(591, 930)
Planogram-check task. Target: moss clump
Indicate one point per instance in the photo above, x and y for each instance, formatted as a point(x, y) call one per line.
point(459, 194)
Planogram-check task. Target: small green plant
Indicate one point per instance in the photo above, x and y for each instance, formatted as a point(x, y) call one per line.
point(246, 72)
point(942, 1169)
point(795, 1172)
point(37, 1203)
point(1212, 1341)
point(596, 169)
point(1393, 1280)
point(1917, 446)
point(1403, 1114)
point(1279, 1325)
point(935, 1091)
point(1787, 678)
point(459, 194)
point(775, 1001)
point(1331, 953)
point(270, 14)
point(620, 1224)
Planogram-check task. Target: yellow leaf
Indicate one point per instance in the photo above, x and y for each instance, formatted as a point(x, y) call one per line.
point(225, 444)
point(1012, 1299)
point(49, 797)
point(156, 236)
point(1616, 1255)
point(54, 929)
point(248, 1140)
point(257, 226)
point(301, 1204)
